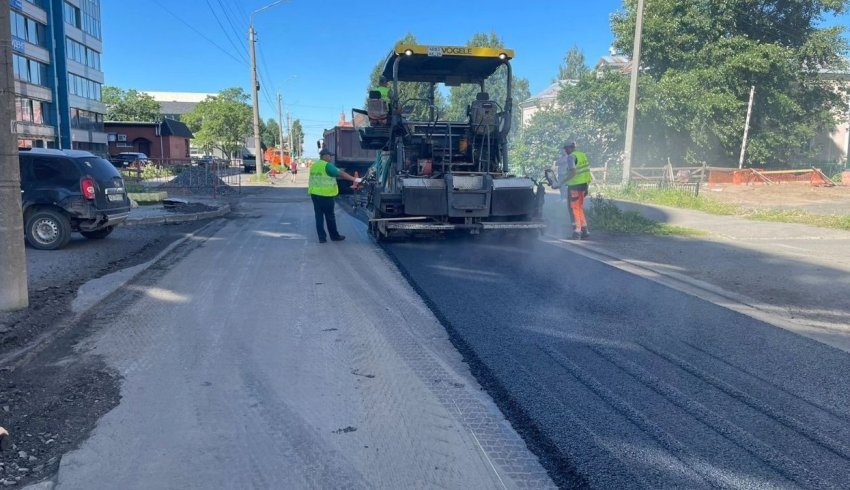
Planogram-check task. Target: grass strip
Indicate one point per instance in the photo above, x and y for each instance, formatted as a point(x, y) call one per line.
point(604, 215)
point(675, 198)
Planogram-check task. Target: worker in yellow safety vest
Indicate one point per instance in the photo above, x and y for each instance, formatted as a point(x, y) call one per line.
point(323, 189)
point(574, 170)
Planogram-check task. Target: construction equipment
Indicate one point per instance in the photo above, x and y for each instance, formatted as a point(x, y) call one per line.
point(437, 175)
point(275, 156)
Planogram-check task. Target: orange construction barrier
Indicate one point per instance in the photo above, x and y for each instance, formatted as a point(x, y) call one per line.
point(812, 176)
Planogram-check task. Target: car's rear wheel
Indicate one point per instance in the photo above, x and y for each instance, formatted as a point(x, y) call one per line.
point(48, 229)
point(98, 234)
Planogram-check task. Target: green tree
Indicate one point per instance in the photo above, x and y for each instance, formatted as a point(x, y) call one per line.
point(270, 133)
point(298, 137)
point(222, 121)
point(496, 86)
point(536, 146)
point(129, 105)
point(573, 66)
point(699, 70)
point(410, 90)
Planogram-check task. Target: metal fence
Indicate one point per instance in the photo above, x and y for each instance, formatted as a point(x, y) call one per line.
point(184, 176)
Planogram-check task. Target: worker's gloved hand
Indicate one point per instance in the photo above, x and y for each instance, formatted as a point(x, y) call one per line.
point(358, 180)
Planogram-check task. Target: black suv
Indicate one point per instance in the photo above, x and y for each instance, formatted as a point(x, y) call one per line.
point(64, 191)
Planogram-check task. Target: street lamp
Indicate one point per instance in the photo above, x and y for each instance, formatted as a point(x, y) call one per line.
point(255, 88)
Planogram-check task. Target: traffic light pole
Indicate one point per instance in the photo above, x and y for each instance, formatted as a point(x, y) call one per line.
point(13, 260)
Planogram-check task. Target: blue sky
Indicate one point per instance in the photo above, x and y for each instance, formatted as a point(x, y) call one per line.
point(329, 46)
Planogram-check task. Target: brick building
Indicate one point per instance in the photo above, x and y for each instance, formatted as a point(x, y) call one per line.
point(169, 139)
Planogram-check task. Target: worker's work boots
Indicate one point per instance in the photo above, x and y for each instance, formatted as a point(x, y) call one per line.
point(584, 233)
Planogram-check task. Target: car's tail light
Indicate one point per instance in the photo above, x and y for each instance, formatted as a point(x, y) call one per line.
point(87, 186)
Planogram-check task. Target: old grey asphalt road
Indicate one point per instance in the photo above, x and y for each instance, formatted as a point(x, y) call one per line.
point(619, 382)
point(266, 360)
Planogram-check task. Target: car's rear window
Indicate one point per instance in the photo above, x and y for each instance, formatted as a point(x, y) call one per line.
point(98, 168)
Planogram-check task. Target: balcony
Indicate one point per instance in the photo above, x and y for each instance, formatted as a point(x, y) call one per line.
point(28, 130)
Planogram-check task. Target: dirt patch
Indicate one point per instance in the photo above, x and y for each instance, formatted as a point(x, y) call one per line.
point(816, 200)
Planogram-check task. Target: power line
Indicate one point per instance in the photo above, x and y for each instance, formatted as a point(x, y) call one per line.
point(229, 15)
point(264, 66)
point(226, 33)
point(190, 26)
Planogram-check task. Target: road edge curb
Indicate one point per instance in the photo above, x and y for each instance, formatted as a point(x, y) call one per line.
point(179, 218)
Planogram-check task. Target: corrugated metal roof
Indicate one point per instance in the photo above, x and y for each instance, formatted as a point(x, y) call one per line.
point(176, 107)
point(548, 93)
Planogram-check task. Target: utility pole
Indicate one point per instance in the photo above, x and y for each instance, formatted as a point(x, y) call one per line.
point(13, 271)
point(747, 127)
point(630, 117)
point(255, 88)
point(291, 142)
point(280, 124)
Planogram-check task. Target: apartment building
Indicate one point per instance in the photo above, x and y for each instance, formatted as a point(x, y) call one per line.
point(58, 77)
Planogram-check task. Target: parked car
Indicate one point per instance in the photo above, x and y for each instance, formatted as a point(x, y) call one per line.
point(207, 160)
point(249, 165)
point(65, 191)
point(129, 159)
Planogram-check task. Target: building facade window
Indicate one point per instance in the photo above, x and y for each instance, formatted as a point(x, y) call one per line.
point(71, 15)
point(83, 87)
point(27, 29)
point(82, 54)
point(30, 110)
point(91, 17)
point(90, 121)
point(30, 71)
point(96, 148)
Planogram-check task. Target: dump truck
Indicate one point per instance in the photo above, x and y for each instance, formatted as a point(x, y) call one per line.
point(350, 156)
point(436, 175)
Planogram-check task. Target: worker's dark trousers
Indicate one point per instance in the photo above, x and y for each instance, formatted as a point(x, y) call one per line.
point(324, 209)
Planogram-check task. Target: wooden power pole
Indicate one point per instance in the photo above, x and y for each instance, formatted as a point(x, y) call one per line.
point(633, 86)
point(13, 259)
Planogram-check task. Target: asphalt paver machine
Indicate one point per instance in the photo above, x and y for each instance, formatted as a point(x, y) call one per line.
point(436, 175)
